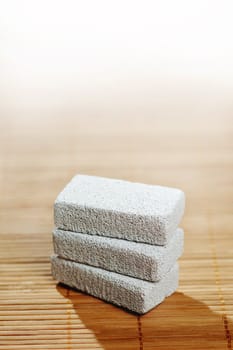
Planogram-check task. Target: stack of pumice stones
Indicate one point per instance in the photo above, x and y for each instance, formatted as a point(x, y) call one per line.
point(118, 241)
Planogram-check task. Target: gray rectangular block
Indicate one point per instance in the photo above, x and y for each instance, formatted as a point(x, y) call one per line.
point(121, 209)
point(140, 260)
point(131, 293)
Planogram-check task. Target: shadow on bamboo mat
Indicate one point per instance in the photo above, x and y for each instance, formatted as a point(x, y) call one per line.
point(180, 321)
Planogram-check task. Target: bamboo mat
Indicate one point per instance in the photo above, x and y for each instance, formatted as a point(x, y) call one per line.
point(40, 154)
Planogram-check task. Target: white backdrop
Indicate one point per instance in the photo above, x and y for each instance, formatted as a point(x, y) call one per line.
point(69, 50)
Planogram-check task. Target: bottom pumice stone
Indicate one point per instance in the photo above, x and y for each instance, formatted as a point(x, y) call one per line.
point(131, 293)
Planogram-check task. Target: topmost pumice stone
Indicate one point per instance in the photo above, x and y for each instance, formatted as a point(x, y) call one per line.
point(121, 209)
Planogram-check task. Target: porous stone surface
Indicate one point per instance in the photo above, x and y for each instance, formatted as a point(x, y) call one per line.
point(128, 292)
point(121, 209)
point(140, 260)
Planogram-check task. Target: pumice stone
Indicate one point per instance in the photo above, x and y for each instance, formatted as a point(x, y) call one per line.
point(120, 209)
point(128, 292)
point(140, 260)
